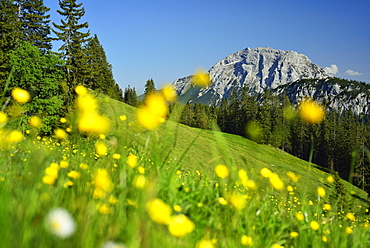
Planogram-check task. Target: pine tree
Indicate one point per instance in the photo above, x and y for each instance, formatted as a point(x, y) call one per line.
point(73, 38)
point(35, 23)
point(130, 96)
point(149, 88)
point(99, 75)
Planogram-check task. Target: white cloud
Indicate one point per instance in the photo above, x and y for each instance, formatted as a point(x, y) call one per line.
point(353, 73)
point(333, 69)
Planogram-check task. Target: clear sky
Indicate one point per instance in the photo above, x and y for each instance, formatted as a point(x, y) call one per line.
point(166, 40)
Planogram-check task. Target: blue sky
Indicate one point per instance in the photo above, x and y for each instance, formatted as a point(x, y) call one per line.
point(166, 40)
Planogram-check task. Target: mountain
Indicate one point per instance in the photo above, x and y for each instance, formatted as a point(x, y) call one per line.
point(256, 69)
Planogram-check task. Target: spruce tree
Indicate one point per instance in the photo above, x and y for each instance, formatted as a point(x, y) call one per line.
point(149, 88)
point(73, 37)
point(35, 23)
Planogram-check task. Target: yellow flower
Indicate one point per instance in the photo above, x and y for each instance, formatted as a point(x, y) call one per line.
point(159, 211)
point(63, 164)
point(102, 180)
point(169, 93)
point(81, 90)
point(327, 207)
point(74, 174)
point(294, 234)
point(101, 148)
point(132, 160)
point(238, 201)
point(299, 216)
point(63, 120)
point(140, 181)
point(350, 216)
point(222, 171)
point(180, 225)
point(201, 78)
point(292, 176)
point(21, 95)
point(290, 188)
point(314, 225)
point(222, 201)
point(116, 156)
point(35, 121)
point(15, 136)
point(48, 179)
point(276, 245)
point(123, 117)
point(324, 239)
point(3, 117)
point(266, 173)
point(104, 208)
point(204, 243)
point(84, 166)
point(330, 179)
point(251, 185)
point(141, 170)
point(348, 230)
point(321, 191)
point(153, 112)
point(92, 122)
point(276, 182)
point(310, 203)
point(247, 240)
point(311, 112)
point(60, 133)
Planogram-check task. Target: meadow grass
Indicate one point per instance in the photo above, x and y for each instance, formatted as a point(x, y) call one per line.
point(110, 197)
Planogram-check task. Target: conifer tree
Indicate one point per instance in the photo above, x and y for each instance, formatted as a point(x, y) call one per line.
point(35, 23)
point(130, 96)
point(73, 37)
point(149, 87)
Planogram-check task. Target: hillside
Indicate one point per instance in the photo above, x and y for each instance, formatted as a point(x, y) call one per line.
point(199, 149)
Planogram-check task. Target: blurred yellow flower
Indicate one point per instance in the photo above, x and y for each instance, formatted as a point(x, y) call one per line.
point(238, 201)
point(292, 176)
point(102, 180)
point(201, 78)
point(3, 117)
point(321, 191)
point(222, 171)
point(141, 170)
point(276, 245)
point(116, 156)
point(327, 207)
point(180, 225)
point(177, 208)
point(92, 122)
point(247, 240)
point(204, 243)
point(81, 90)
point(324, 239)
point(314, 225)
point(350, 216)
point(222, 201)
point(104, 208)
point(159, 211)
point(123, 117)
point(84, 166)
point(276, 182)
point(169, 93)
point(294, 234)
point(132, 160)
point(330, 179)
point(101, 148)
point(63, 120)
point(35, 121)
point(74, 174)
point(14, 136)
point(311, 112)
point(266, 173)
point(140, 181)
point(21, 95)
point(153, 112)
point(348, 230)
point(63, 164)
point(60, 133)
point(290, 188)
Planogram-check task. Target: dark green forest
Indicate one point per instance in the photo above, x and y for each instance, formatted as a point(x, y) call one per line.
point(28, 61)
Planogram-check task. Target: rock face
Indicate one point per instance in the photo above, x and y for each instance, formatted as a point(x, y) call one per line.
point(256, 69)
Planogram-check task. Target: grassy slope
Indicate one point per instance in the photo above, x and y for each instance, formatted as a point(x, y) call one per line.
point(202, 149)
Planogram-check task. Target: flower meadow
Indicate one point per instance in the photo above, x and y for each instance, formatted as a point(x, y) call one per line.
point(128, 179)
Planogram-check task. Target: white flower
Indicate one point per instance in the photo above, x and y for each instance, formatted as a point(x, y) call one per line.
point(110, 244)
point(60, 223)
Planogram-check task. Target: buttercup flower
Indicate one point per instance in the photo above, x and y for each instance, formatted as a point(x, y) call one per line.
point(222, 171)
point(3, 117)
point(314, 225)
point(35, 121)
point(201, 78)
point(180, 225)
point(21, 95)
point(311, 112)
point(276, 182)
point(159, 211)
point(60, 223)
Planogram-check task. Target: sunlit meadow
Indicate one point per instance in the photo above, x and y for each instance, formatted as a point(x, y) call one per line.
point(136, 178)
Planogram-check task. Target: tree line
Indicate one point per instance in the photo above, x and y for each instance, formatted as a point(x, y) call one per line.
point(340, 143)
point(27, 59)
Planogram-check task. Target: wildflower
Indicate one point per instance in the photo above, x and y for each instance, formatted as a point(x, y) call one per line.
point(60, 223)
point(123, 117)
point(141, 170)
point(348, 230)
point(204, 243)
point(299, 216)
point(102, 136)
point(350, 216)
point(111, 244)
point(290, 188)
point(180, 225)
point(159, 211)
point(330, 179)
point(311, 112)
point(104, 208)
point(15, 136)
point(140, 182)
point(222, 171)
point(132, 160)
point(292, 176)
point(100, 148)
point(153, 112)
point(92, 122)
point(276, 245)
point(294, 234)
point(177, 208)
point(84, 166)
point(266, 173)
point(222, 201)
point(276, 182)
point(81, 90)
point(63, 164)
point(60, 134)
point(327, 207)
point(169, 93)
point(314, 225)
point(68, 184)
point(102, 180)
point(201, 78)
point(21, 95)
point(310, 203)
point(74, 174)
point(35, 121)
point(238, 201)
point(251, 185)
point(63, 120)
point(116, 156)
point(321, 191)
point(3, 117)
point(324, 239)
point(247, 240)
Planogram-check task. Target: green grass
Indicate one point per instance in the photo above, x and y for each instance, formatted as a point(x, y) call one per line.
point(179, 166)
